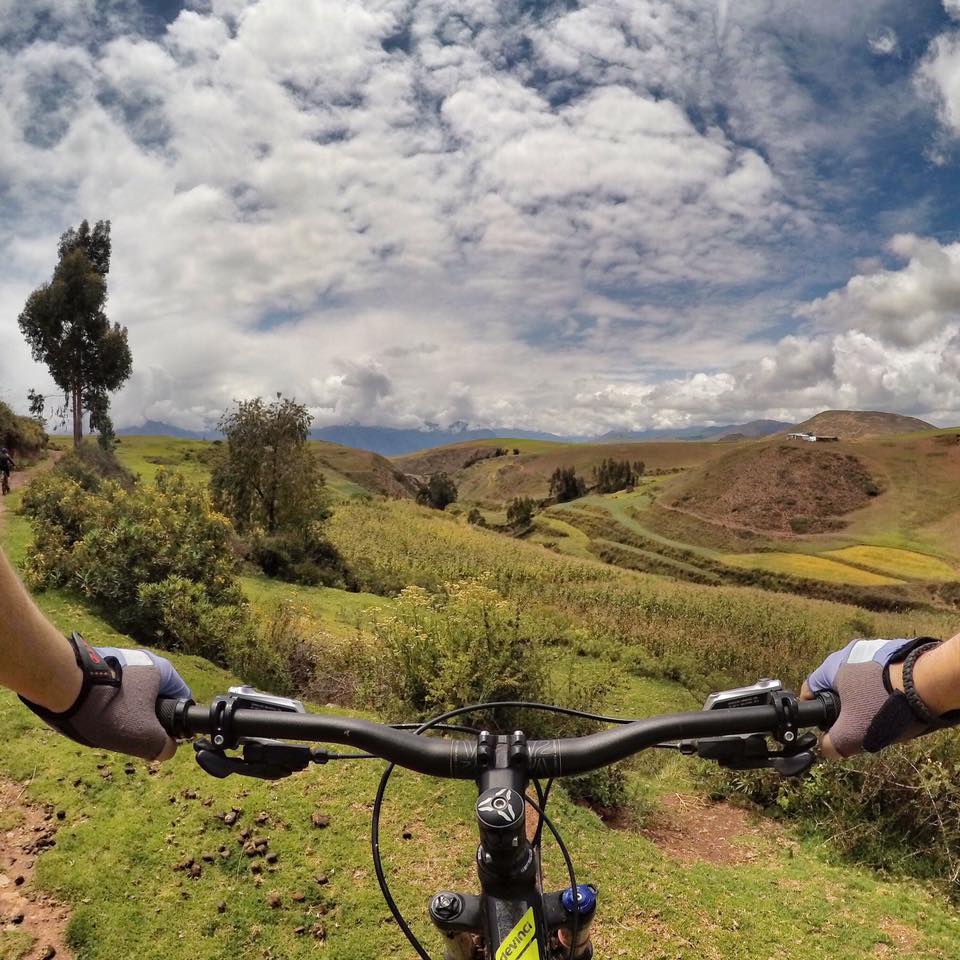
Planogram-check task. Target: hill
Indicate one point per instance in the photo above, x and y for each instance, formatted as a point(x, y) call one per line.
point(497, 480)
point(394, 442)
point(755, 428)
point(369, 470)
point(783, 487)
point(853, 424)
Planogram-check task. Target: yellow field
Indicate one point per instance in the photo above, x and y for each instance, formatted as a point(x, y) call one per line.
point(809, 567)
point(898, 563)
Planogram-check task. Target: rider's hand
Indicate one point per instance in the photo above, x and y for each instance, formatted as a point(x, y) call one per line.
point(867, 675)
point(116, 707)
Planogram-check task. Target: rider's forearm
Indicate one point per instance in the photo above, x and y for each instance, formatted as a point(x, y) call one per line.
point(36, 660)
point(936, 677)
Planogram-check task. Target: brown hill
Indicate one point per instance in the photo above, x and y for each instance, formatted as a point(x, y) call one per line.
point(780, 487)
point(451, 459)
point(500, 479)
point(366, 469)
point(852, 424)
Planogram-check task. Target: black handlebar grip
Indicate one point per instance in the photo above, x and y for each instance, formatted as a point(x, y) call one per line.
point(831, 704)
point(170, 714)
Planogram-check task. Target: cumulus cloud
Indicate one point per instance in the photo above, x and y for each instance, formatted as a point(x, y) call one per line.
point(884, 42)
point(577, 220)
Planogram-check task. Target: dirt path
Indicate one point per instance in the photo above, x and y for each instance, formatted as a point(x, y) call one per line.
point(20, 478)
point(32, 924)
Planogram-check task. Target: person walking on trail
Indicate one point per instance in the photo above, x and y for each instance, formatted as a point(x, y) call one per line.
point(6, 465)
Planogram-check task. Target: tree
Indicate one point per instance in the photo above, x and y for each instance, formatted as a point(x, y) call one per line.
point(266, 476)
point(613, 475)
point(438, 492)
point(520, 512)
point(566, 485)
point(67, 329)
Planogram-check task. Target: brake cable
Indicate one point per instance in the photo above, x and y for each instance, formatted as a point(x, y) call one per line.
point(435, 723)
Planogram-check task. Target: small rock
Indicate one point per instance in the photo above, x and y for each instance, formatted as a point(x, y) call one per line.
point(407, 835)
point(208, 802)
point(19, 879)
point(320, 820)
point(195, 870)
point(17, 918)
point(255, 868)
point(184, 864)
point(190, 794)
point(129, 769)
point(271, 857)
point(298, 897)
point(48, 952)
point(61, 814)
point(208, 857)
point(230, 818)
point(251, 850)
point(245, 834)
point(261, 817)
point(322, 879)
point(274, 901)
point(299, 931)
point(222, 906)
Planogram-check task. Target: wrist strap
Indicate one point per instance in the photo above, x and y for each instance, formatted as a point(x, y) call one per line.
point(95, 672)
point(920, 710)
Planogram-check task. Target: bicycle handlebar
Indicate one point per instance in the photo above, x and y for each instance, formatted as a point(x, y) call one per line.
point(458, 759)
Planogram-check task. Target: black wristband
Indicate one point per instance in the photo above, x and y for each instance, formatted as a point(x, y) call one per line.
point(920, 710)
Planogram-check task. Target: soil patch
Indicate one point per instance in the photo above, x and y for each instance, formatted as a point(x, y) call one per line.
point(692, 830)
point(786, 487)
point(32, 923)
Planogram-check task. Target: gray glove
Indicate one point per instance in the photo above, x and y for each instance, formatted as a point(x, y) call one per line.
point(872, 714)
point(116, 706)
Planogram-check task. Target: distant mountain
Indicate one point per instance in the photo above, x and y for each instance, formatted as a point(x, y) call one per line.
point(392, 442)
point(850, 424)
point(156, 428)
point(754, 429)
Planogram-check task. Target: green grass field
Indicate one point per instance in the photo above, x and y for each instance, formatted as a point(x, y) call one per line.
point(898, 563)
point(768, 894)
point(810, 567)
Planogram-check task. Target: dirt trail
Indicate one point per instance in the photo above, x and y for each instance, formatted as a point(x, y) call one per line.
point(20, 478)
point(35, 916)
point(32, 924)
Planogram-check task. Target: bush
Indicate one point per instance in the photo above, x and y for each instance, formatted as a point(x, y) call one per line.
point(520, 512)
point(301, 557)
point(23, 436)
point(438, 492)
point(476, 518)
point(897, 810)
point(157, 561)
point(465, 645)
point(90, 464)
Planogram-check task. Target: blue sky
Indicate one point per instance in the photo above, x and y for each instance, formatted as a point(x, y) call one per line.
point(571, 217)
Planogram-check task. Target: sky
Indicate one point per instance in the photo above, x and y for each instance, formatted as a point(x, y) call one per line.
point(571, 217)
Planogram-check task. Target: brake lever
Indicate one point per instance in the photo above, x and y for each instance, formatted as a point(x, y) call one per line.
point(262, 759)
point(753, 753)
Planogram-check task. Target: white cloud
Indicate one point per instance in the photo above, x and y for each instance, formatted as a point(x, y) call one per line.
point(555, 207)
point(884, 42)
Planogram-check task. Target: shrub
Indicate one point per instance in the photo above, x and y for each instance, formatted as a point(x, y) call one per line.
point(565, 485)
point(23, 436)
point(520, 512)
point(438, 492)
point(476, 518)
point(466, 645)
point(156, 560)
point(300, 557)
point(89, 464)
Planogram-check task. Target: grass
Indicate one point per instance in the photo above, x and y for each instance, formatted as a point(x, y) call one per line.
point(810, 567)
point(898, 563)
point(788, 899)
point(148, 455)
point(15, 944)
point(337, 611)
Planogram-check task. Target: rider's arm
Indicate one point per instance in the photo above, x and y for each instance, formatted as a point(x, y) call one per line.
point(36, 660)
point(868, 676)
point(109, 702)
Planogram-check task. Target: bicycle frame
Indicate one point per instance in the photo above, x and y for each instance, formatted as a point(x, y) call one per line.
point(512, 916)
